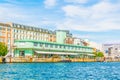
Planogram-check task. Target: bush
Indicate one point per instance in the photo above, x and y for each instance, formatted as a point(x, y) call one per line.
point(98, 54)
point(3, 49)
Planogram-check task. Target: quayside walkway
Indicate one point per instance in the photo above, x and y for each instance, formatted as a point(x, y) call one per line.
point(30, 59)
point(36, 59)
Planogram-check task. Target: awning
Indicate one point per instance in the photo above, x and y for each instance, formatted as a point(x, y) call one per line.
point(90, 54)
point(60, 53)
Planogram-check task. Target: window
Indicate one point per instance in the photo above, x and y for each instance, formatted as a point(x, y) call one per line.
point(46, 45)
point(41, 44)
point(22, 53)
point(14, 30)
point(60, 46)
point(76, 48)
point(17, 31)
point(56, 46)
point(83, 49)
point(35, 44)
point(68, 47)
point(72, 47)
point(22, 43)
point(51, 46)
point(8, 29)
point(19, 26)
point(64, 47)
point(0, 27)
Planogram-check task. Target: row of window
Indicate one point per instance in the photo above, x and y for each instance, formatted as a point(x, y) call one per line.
point(30, 28)
point(4, 34)
point(30, 37)
point(59, 46)
point(3, 40)
point(4, 28)
point(29, 32)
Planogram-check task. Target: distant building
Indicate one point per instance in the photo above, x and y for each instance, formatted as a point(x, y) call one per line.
point(112, 50)
point(78, 41)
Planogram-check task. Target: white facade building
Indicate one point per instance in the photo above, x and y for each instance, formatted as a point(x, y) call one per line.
point(78, 41)
point(112, 50)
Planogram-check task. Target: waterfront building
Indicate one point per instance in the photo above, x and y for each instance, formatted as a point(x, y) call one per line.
point(43, 48)
point(6, 34)
point(61, 36)
point(21, 32)
point(24, 40)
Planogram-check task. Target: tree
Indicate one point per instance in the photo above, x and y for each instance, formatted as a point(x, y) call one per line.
point(100, 54)
point(3, 49)
point(95, 53)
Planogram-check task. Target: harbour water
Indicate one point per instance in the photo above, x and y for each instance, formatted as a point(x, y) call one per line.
point(60, 71)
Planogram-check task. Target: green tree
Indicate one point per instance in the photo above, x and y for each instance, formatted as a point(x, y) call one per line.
point(100, 54)
point(3, 49)
point(95, 53)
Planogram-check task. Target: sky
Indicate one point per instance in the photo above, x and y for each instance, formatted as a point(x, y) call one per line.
point(96, 20)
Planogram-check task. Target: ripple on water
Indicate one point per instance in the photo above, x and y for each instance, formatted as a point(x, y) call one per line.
point(60, 71)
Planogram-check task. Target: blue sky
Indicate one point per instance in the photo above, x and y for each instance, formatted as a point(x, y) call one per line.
point(97, 20)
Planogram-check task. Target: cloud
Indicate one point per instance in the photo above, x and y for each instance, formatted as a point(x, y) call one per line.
point(76, 1)
point(22, 2)
point(14, 13)
point(73, 11)
point(85, 36)
point(50, 3)
point(112, 41)
point(101, 16)
point(10, 12)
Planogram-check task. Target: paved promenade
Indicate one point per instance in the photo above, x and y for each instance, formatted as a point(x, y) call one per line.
point(29, 59)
